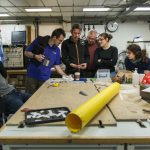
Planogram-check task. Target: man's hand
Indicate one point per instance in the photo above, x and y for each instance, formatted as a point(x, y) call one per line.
point(67, 78)
point(39, 57)
point(83, 66)
point(75, 66)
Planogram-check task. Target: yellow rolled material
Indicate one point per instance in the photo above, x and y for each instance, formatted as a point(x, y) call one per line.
point(78, 118)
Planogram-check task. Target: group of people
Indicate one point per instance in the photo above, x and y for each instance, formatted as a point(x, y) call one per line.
point(84, 56)
point(78, 55)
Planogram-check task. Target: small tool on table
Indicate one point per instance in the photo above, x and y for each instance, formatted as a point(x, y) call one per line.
point(83, 93)
point(25, 109)
point(101, 124)
point(53, 85)
point(140, 123)
point(21, 124)
point(146, 111)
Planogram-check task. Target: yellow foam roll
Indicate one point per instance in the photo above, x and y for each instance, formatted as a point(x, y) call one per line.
point(78, 118)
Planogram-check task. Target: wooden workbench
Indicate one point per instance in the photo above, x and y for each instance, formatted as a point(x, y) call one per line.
point(67, 94)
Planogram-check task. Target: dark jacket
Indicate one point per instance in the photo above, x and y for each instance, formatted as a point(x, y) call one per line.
point(140, 65)
point(69, 53)
point(42, 42)
point(108, 58)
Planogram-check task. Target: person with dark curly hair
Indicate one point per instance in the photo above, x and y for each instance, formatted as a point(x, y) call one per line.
point(136, 58)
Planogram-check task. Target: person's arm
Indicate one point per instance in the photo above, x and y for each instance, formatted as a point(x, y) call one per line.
point(59, 70)
point(28, 52)
point(38, 57)
point(3, 70)
point(57, 63)
point(113, 61)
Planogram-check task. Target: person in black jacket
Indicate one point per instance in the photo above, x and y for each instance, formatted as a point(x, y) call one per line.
point(75, 52)
point(106, 56)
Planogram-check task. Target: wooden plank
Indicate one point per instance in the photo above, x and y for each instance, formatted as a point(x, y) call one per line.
point(129, 107)
point(28, 28)
point(20, 71)
point(67, 94)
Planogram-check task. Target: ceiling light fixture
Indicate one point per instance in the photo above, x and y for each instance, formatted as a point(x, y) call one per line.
point(142, 9)
point(38, 9)
point(4, 15)
point(96, 9)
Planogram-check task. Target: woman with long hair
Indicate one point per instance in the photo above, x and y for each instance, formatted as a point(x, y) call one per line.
point(136, 58)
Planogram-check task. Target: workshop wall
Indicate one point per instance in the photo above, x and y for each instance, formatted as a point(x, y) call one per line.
point(6, 32)
point(126, 32)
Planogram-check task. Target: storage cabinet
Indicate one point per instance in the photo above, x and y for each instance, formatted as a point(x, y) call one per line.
point(17, 78)
point(13, 57)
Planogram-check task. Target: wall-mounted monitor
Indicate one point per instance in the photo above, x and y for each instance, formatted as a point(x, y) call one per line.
point(18, 37)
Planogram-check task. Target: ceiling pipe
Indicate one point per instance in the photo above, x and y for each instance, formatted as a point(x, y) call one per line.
point(131, 5)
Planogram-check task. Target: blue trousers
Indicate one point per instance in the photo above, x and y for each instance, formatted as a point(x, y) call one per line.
point(14, 100)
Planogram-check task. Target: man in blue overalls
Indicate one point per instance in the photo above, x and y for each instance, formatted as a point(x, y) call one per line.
point(44, 54)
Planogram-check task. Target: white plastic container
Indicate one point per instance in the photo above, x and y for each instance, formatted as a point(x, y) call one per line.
point(135, 77)
point(103, 73)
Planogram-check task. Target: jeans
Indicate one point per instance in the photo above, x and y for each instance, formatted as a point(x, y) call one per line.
point(14, 100)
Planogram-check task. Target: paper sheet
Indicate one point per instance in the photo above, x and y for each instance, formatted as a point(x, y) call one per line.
point(147, 90)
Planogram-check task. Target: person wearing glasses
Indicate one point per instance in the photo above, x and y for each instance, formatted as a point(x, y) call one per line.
point(136, 58)
point(106, 56)
point(92, 45)
point(44, 54)
point(75, 55)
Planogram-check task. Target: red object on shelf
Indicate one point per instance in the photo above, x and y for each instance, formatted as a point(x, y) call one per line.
point(146, 79)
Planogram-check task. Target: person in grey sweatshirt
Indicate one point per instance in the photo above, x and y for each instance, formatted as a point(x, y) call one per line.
point(11, 98)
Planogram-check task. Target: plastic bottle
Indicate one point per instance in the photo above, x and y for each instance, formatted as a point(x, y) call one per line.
point(135, 77)
point(1, 49)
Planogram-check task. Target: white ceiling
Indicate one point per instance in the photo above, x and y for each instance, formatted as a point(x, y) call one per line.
point(65, 7)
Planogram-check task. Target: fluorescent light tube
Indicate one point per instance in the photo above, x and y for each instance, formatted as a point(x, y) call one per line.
point(4, 15)
point(96, 9)
point(38, 9)
point(142, 9)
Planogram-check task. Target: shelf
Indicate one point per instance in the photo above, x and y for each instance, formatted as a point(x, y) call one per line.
point(17, 72)
point(138, 42)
